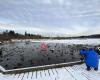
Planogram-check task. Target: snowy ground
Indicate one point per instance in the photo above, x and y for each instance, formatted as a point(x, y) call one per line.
point(76, 72)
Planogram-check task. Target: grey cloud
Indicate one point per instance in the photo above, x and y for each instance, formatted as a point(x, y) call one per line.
point(50, 13)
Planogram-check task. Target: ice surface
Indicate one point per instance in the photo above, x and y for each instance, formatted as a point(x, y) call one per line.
point(69, 41)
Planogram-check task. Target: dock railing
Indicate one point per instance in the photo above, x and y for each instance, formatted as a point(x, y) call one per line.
point(37, 68)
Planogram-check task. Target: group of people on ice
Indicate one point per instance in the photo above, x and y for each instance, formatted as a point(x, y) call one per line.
point(91, 58)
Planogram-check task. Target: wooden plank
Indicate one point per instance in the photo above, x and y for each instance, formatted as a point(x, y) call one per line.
point(25, 76)
point(29, 69)
point(21, 76)
point(76, 76)
point(32, 75)
point(53, 74)
point(29, 76)
point(64, 74)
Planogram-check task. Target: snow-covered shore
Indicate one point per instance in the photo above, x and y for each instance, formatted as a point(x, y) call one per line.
point(69, 41)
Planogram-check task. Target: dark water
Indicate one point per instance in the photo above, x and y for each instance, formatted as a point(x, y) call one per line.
point(28, 54)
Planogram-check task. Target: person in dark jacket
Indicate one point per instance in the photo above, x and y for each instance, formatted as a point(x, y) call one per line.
point(91, 58)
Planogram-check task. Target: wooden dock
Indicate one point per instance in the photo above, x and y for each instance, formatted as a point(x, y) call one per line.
point(76, 72)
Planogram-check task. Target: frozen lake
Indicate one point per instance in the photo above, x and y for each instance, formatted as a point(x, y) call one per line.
point(72, 41)
point(29, 53)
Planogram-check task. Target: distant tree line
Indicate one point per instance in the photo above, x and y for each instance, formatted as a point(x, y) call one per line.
point(79, 37)
point(8, 35)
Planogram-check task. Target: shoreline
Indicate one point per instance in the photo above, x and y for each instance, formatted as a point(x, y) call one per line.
point(95, 41)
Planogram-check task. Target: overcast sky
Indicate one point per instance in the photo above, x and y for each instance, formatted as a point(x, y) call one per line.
point(68, 17)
